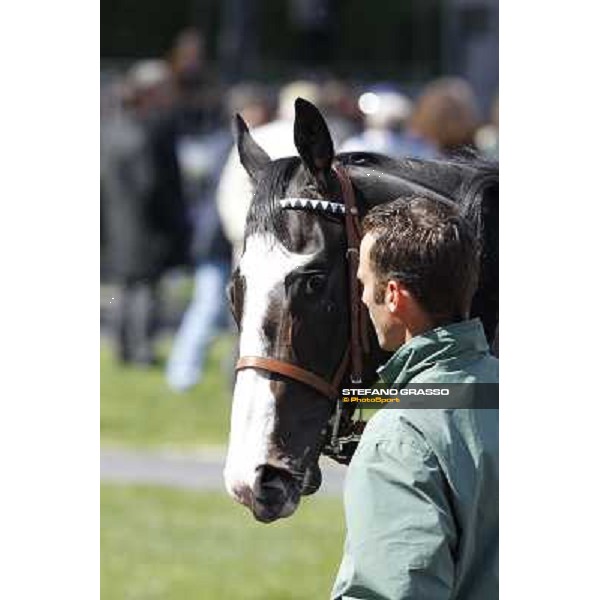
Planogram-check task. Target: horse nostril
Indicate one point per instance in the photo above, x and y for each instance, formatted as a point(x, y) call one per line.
point(274, 485)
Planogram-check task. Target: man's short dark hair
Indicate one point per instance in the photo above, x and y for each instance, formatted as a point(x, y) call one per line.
point(431, 249)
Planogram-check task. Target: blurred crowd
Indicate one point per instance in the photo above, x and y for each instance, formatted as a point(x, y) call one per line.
point(173, 195)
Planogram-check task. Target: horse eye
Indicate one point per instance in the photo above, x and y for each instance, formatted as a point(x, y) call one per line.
point(315, 284)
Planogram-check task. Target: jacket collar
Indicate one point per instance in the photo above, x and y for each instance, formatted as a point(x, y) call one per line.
point(434, 346)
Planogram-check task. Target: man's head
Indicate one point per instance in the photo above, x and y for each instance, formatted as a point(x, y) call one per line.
point(419, 267)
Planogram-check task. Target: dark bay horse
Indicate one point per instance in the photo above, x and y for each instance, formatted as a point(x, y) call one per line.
point(289, 296)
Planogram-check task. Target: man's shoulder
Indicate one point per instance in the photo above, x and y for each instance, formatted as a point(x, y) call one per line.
point(479, 368)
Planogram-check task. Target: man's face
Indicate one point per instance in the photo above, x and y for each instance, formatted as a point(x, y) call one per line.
point(391, 332)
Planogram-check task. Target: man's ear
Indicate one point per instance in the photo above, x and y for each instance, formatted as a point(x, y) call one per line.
point(395, 296)
point(253, 158)
point(313, 141)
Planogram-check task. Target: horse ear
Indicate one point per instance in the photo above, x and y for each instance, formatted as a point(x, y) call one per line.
point(253, 158)
point(313, 140)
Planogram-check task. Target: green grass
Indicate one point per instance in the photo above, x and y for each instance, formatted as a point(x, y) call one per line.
point(164, 544)
point(138, 409)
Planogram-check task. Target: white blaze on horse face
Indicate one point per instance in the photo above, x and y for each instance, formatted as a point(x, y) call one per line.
point(264, 265)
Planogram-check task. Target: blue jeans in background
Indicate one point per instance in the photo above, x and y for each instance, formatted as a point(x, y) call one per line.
point(202, 320)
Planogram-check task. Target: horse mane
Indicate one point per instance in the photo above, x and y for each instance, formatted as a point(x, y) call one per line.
point(451, 177)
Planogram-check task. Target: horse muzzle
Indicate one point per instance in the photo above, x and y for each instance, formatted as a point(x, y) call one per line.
point(275, 495)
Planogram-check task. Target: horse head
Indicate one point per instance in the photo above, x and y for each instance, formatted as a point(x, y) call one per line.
point(289, 296)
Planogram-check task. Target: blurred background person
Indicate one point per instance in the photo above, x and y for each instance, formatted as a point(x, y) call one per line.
point(145, 216)
point(386, 114)
point(197, 91)
point(446, 115)
point(254, 102)
point(202, 158)
point(339, 106)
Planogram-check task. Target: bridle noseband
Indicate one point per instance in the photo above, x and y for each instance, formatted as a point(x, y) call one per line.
point(353, 355)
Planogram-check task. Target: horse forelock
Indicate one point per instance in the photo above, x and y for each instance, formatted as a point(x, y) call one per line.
point(265, 216)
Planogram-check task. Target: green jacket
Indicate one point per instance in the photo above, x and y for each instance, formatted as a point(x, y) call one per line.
point(421, 492)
